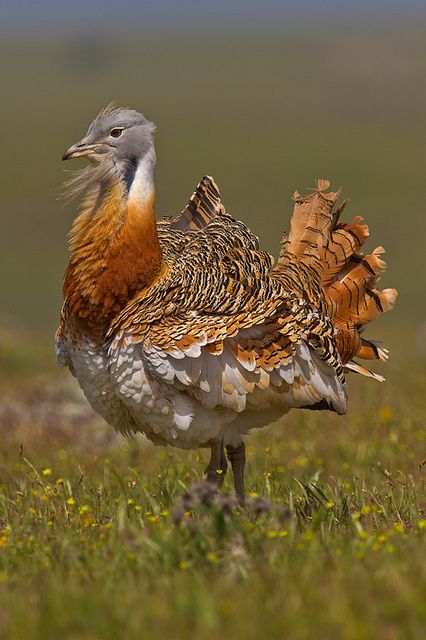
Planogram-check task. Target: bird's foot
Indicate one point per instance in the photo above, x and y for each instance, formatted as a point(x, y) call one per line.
point(215, 476)
point(218, 465)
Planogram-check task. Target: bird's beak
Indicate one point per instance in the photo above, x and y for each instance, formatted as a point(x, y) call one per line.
point(79, 149)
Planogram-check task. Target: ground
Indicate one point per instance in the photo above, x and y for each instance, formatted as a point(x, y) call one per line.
point(96, 540)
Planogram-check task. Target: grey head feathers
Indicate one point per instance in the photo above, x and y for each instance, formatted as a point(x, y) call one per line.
point(117, 139)
point(128, 133)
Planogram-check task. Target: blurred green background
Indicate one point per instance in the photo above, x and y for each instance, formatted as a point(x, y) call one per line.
point(265, 110)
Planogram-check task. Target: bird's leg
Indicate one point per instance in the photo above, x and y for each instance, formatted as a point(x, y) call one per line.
point(237, 458)
point(216, 469)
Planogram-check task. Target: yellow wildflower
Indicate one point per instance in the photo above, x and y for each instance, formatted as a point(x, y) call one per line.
point(153, 518)
point(385, 413)
point(212, 557)
point(302, 461)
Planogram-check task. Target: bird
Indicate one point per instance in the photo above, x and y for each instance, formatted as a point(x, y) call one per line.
point(183, 329)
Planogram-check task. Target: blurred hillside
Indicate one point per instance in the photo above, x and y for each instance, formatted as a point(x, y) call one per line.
point(80, 15)
point(265, 112)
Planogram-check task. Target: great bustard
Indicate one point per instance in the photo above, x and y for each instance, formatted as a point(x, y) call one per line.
point(184, 329)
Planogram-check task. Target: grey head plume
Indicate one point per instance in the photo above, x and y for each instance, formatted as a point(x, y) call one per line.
point(109, 155)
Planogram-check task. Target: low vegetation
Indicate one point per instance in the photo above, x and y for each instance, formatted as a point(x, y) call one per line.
point(104, 538)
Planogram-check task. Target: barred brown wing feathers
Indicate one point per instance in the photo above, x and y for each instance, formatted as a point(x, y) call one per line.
point(230, 328)
point(234, 362)
point(203, 206)
point(217, 269)
point(224, 341)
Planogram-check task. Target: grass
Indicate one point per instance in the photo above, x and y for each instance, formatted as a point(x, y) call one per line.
point(94, 542)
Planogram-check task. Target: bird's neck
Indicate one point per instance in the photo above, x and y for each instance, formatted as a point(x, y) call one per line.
point(115, 248)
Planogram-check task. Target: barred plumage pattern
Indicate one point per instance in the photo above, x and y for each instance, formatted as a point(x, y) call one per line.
point(228, 329)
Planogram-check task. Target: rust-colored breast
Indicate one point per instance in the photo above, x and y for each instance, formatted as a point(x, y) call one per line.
point(116, 253)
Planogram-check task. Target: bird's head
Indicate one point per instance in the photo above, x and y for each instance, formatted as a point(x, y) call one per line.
point(117, 134)
point(117, 143)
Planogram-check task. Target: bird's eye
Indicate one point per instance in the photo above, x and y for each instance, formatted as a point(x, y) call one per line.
point(116, 132)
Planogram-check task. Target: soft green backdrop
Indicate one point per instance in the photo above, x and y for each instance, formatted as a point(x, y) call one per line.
point(264, 112)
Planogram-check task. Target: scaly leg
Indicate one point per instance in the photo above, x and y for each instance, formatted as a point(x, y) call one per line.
point(237, 458)
point(216, 469)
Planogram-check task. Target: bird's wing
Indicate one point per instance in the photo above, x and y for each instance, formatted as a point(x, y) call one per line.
point(203, 206)
point(237, 361)
point(218, 326)
point(221, 327)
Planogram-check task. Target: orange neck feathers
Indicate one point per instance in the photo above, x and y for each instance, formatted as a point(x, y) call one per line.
point(115, 251)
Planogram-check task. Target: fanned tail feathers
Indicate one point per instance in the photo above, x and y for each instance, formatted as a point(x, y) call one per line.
point(329, 253)
point(310, 226)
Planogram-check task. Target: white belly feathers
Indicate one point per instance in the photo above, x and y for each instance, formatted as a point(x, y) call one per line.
point(120, 386)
